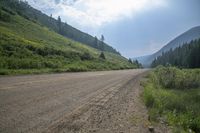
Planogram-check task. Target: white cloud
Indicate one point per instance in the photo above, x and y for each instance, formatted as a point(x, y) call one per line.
point(95, 13)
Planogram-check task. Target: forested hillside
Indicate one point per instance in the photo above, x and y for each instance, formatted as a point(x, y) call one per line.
point(185, 56)
point(27, 46)
point(185, 38)
point(29, 13)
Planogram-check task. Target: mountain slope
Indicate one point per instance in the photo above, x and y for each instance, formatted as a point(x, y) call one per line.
point(186, 56)
point(26, 46)
point(185, 38)
point(25, 10)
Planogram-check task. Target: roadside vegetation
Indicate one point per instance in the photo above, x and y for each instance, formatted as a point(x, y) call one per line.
point(172, 96)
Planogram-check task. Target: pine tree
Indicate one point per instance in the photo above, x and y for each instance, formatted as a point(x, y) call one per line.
point(95, 42)
point(102, 43)
point(59, 25)
point(102, 56)
point(102, 38)
point(130, 61)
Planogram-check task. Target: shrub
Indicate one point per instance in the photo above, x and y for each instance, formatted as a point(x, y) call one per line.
point(171, 77)
point(86, 56)
point(174, 94)
point(102, 56)
point(149, 98)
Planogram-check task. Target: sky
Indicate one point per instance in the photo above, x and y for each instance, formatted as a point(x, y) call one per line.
point(133, 27)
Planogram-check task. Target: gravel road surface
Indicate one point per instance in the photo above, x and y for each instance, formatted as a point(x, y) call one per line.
point(103, 102)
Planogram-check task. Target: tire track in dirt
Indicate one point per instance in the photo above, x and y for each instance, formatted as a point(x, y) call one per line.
point(72, 102)
point(96, 115)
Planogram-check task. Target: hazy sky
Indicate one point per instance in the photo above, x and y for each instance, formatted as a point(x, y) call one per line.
point(133, 27)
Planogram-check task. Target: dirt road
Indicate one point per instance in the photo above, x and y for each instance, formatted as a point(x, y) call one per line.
point(103, 102)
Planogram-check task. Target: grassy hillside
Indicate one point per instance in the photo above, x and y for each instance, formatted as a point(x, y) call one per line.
point(173, 97)
point(28, 12)
point(26, 46)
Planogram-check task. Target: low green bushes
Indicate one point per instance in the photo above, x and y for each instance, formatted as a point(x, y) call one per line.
point(173, 96)
point(172, 77)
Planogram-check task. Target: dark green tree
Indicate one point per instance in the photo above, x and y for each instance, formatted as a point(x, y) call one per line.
point(136, 62)
point(102, 38)
point(95, 42)
point(130, 61)
point(101, 47)
point(102, 56)
point(59, 25)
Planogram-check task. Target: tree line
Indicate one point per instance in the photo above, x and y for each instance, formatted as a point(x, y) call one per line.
point(136, 62)
point(185, 56)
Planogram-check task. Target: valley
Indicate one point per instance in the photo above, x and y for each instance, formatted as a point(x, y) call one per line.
point(86, 66)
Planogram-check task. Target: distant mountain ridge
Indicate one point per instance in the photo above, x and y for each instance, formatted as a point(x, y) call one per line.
point(186, 37)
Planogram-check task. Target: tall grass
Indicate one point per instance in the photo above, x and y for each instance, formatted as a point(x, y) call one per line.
point(173, 96)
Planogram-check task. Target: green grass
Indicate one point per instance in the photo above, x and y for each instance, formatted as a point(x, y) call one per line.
point(29, 47)
point(173, 96)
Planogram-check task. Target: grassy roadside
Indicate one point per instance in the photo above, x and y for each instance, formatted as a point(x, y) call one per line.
point(78, 66)
point(172, 96)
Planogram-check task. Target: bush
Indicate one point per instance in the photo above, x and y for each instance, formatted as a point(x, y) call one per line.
point(149, 98)
point(174, 94)
point(86, 56)
point(171, 77)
